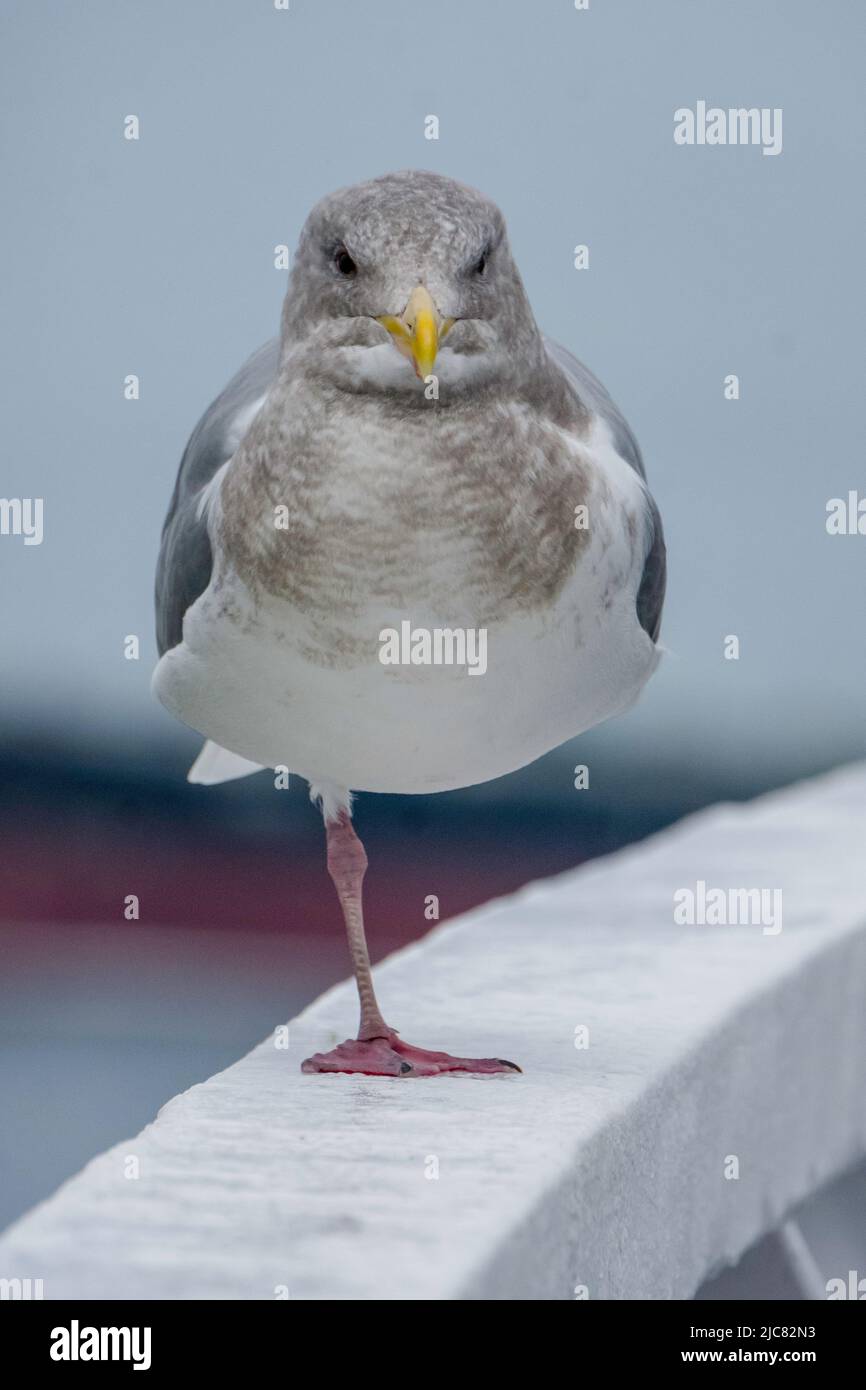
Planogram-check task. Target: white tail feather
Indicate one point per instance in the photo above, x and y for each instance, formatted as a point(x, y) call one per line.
point(215, 764)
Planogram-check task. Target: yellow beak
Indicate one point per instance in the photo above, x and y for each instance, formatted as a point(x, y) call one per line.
point(419, 330)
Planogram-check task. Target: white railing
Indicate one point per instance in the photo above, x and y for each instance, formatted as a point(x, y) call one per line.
point(685, 1086)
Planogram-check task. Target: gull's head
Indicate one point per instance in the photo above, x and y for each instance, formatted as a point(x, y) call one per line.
point(405, 277)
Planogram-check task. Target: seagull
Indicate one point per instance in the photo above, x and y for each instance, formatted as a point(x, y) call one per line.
point(410, 475)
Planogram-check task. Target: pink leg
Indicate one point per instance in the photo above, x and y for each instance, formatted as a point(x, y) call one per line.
point(377, 1050)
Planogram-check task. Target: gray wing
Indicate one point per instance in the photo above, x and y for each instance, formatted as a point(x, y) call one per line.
point(591, 391)
point(651, 592)
point(185, 561)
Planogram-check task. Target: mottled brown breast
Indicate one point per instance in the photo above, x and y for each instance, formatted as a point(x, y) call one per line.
point(469, 512)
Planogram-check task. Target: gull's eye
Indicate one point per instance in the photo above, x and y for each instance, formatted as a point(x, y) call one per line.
point(343, 261)
point(481, 264)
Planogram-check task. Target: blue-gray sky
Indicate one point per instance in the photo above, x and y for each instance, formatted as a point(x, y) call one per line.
point(155, 257)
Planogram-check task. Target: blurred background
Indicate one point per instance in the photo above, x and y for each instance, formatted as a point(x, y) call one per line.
point(156, 258)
